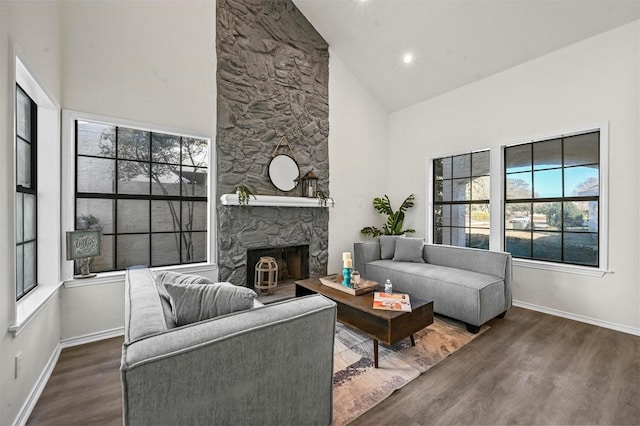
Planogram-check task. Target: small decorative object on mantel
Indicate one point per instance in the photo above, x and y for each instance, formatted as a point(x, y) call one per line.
point(244, 194)
point(310, 185)
point(322, 199)
point(84, 245)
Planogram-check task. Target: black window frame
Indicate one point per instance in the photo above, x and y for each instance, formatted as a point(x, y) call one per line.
point(437, 224)
point(554, 199)
point(32, 190)
point(150, 197)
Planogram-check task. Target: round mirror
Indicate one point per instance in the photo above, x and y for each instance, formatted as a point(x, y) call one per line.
point(283, 172)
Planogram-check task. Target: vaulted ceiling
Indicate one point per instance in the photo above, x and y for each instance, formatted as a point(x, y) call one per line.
point(452, 42)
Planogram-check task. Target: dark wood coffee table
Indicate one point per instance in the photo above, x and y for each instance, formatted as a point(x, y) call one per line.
point(388, 327)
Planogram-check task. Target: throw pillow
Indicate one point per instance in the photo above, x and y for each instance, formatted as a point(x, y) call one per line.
point(387, 246)
point(197, 302)
point(165, 277)
point(409, 250)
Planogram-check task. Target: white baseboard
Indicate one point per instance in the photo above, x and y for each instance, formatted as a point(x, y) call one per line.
point(581, 318)
point(91, 337)
point(38, 388)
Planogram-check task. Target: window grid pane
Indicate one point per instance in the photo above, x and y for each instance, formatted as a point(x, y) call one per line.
point(461, 192)
point(555, 217)
point(153, 208)
point(26, 207)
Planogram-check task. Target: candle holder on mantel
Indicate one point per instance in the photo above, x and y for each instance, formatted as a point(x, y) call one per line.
point(310, 185)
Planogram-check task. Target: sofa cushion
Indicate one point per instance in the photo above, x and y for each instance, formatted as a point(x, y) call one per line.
point(387, 246)
point(165, 277)
point(161, 278)
point(469, 296)
point(197, 302)
point(409, 250)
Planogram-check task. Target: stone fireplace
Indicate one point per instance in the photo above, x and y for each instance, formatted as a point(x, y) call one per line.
point(255, 228)
point(272, 82)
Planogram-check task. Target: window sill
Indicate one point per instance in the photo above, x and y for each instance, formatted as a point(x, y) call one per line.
point(29, 306)
point(117, 276)
point(559, 267)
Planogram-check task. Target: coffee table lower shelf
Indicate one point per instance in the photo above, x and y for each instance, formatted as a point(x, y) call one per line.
point(388, 327)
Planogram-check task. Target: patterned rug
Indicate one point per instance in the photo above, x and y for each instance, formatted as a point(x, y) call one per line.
point(358, 386)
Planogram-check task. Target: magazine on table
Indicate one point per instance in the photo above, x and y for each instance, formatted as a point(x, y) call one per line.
point(391, 301)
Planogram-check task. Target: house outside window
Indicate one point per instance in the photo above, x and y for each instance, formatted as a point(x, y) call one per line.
point(146, 191)
point(26, 194)
point(461, 193)
point(552, 199)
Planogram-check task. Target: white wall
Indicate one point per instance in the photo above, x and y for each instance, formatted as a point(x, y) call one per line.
point(145, 61)
point(141, 61)
point(591, 82)
point(357, 159)
point(34, 29)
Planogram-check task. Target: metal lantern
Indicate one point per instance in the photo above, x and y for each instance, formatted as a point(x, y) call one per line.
point(310, 185)
point(266, 275)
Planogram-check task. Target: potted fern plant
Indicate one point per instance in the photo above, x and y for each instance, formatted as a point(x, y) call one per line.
point(244, 195)
point(395, 219)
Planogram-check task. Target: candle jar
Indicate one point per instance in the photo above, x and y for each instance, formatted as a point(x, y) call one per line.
point(355, 279)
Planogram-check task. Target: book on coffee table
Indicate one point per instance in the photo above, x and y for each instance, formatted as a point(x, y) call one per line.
point(391, 301)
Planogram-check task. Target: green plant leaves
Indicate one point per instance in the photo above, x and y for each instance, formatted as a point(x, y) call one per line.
point(395, 219)
point(372, 231)
point(244, 194)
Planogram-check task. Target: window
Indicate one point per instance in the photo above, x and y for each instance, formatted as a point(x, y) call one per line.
point(544, 201)
point(552, 199)
point(461, 192)
point(146, 191)
point(26, 193)
point(37, 173)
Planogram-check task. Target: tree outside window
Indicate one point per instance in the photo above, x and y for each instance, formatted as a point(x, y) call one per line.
point(147, 192)
point(26, 194)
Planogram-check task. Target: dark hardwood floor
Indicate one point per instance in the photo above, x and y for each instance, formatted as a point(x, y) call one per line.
point(530, 368)
point(84, 388)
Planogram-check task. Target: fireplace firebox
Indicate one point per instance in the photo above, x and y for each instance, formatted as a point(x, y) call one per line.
point(293, 262)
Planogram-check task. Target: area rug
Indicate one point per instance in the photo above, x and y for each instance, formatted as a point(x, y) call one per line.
point(358, 386)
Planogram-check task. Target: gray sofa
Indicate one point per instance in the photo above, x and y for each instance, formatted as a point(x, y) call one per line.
point(470, 285)
point(270, 365)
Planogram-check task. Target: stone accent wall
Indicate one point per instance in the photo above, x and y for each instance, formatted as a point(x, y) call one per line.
point(272, 81)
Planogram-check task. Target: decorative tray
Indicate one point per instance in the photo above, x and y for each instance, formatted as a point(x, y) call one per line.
point(335, 281)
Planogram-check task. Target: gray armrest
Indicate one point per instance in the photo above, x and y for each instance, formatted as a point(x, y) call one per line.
point(363, 253)
point(484, 261)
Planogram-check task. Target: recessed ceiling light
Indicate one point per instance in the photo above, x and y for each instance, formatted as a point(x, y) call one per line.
point(408, 58)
